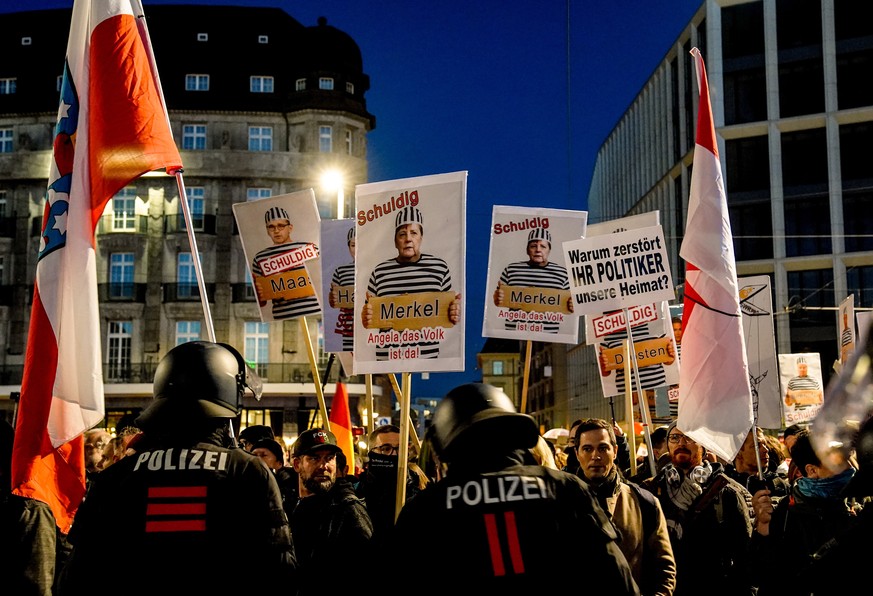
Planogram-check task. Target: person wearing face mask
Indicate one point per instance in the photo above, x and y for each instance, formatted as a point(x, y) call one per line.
point(378, 485)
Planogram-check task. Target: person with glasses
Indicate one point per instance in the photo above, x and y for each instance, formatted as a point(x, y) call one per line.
point(708, 519)
point(329, 520)
point(271, 275)
point(378, 485)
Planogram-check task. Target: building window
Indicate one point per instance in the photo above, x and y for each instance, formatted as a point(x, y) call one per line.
point(202, 37)
point(260, 84)
point(3, 270)
point(121, 266)
point(196, 206)
point(260, 138)
point(124, 210)
point(26, 40)
point(6, 139)
point(253, 194)
point(348, 142)
point(497, 367)
point(325, 83)
point(350, 88)
point(194, 137)
point(263, 39)
point(119, 341)
point(186, 275)
point(257, 346)
point(2, 203)
point(187, 331)
point(8, 86)
point(197, 82)
point(300, 85)
point(325, 134)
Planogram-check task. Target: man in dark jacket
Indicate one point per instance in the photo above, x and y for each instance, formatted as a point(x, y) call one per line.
point(707, 518)
point(329, 520)
point(378, 485)
point(497, 522)
point(194, 514)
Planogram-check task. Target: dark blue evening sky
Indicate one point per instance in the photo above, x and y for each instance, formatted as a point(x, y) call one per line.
point(483, 87)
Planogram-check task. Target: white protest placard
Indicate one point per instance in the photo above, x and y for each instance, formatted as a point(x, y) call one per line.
point(615, 271)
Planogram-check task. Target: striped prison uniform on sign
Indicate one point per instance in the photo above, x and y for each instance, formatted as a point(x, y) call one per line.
point(650, 376)
point(523, 273)
point(287, 309)
point(344, 275)
point(390, 278)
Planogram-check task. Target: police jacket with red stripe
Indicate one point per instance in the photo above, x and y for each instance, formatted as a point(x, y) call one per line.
point(496, 521)
point(182, 516)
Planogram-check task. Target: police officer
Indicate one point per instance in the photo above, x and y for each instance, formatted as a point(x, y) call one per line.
point(496, 520)
point(189, 512)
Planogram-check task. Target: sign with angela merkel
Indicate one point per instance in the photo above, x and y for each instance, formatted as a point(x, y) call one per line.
point(616, 271)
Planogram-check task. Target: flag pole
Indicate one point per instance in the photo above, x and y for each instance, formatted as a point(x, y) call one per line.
point(641, 397)
point(322, 406)
point(524, 382)
point(195, 255)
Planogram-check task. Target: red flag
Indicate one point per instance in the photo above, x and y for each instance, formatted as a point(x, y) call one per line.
point(112, 128)
point(341, 424)
point(715, 399)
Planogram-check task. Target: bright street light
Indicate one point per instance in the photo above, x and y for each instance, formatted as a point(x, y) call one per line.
point(332, 180)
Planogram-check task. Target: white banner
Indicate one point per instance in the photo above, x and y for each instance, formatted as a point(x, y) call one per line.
point(756, 304)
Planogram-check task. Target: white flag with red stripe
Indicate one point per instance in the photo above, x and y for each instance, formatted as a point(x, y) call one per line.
point(715, 398)
point(112, 127)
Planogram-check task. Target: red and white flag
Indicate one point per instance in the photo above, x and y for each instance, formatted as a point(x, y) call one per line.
point(112, 127)
point(715, 399)
point(341, 424)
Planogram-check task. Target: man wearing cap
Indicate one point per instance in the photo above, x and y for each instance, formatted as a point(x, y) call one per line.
point(279, 228)
point(537, 272)
point(410, 272)
point(329, 519)
point(344, 276)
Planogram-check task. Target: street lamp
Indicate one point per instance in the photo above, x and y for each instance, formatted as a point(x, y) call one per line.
point(332, 180)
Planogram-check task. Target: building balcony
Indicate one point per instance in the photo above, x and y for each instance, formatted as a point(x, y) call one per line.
point(144, 372)
point(118, 224)
point(186, 292)
point(121, 292)
point(175, 223)
point(243, 292)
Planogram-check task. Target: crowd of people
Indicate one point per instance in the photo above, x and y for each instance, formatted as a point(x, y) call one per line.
point(176, 504)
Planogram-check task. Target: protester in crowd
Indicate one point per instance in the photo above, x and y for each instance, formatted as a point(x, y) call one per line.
point(496, 522)
point(254, 433)
point(543, 454)
point(572, 464)
point(660, 452)
point(789, 436)
point(96, 440)
point(745, 468)
point(32, 548)
point(799, 529)
point(378, 484)
point(272, 454)
point(186, 495)
point(707, 517)
point(634, 510)
point(329, 520)
point(777, 456)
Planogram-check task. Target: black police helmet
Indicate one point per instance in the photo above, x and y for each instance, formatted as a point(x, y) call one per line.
point(196, 380)
point(486, 410)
